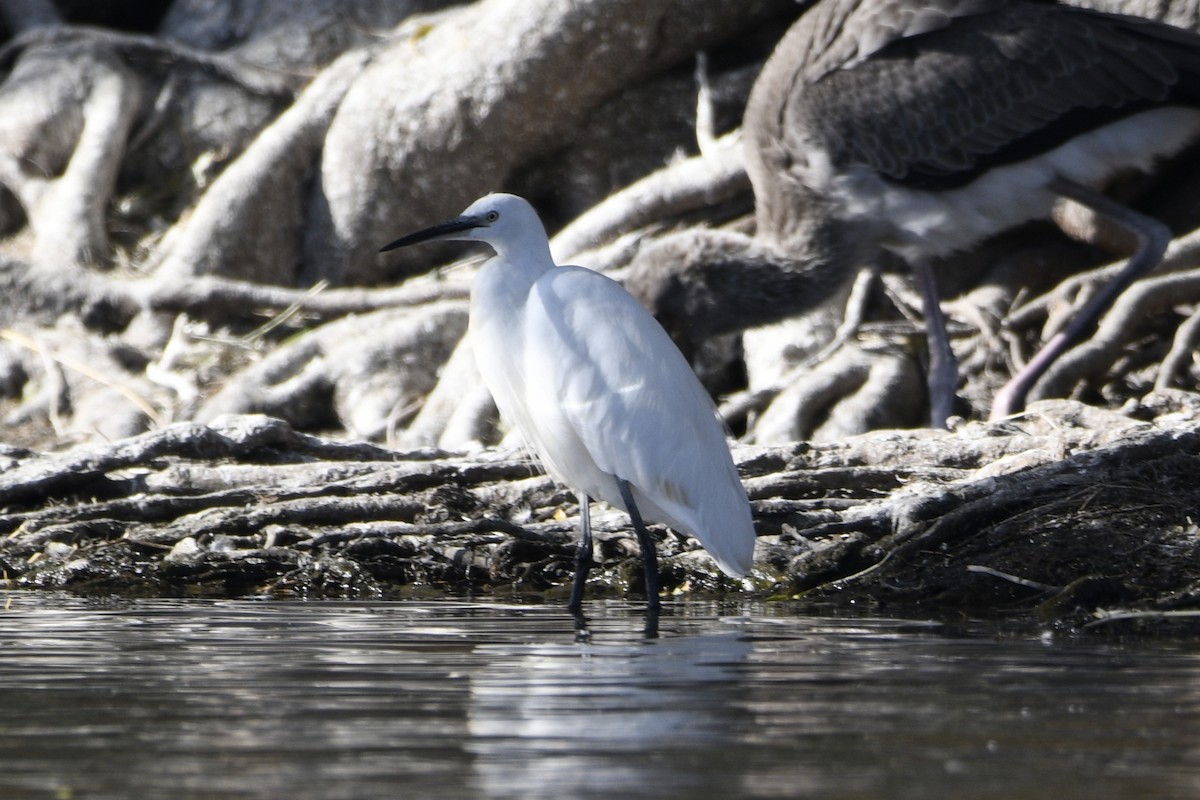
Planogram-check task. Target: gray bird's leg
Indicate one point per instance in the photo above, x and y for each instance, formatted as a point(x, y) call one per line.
point(1152, 238)
point(583, 556)
point(943, 369)
point(645, 541)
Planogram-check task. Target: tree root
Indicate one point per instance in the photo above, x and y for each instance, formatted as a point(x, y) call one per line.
point(76, 101)
point(1119, 326)
point(1005, 518)
point(687, 185)
point(358, 373)
point(1182, 352)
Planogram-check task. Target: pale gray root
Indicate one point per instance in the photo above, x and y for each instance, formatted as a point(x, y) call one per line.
point(475, 420)
point(458, 414)
point(363, 373)
point(1092, 358)
point(80, 383)
point(382, 383)
point(852, 392)
point(40, 296)
point(250, 222)
point(75, 103)
point(706, 126)
point(70, 219)
point(94, 98)
point(214, 297)
point(300, 36)
point(683, 186)
point(1182, 354)
point(738, 406)
point(398, 160)
point(1182, 253)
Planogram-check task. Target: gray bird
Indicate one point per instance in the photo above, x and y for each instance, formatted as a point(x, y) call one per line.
point(922, 127)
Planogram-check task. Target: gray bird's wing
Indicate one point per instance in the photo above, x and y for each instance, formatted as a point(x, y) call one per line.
point(938, 108)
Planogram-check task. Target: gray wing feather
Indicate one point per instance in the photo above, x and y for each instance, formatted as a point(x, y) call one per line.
point(990, 87)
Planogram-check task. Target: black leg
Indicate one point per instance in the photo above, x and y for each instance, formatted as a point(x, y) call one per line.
point(649, 553)
point(650, 631)
point(583, 556)
point(943, 370)
point(582, 632)
point(1152, 237)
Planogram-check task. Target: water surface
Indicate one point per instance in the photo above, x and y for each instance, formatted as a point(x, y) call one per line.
point(129, 699)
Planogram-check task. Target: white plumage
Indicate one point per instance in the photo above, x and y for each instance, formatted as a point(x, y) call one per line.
point(597, 388)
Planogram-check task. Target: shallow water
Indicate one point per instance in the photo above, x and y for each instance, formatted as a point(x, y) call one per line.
point(191, 699)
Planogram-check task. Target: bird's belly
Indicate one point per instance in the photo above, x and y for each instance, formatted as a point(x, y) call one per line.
point(922, 223)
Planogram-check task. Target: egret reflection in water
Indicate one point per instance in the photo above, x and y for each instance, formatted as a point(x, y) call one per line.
point(565, 719)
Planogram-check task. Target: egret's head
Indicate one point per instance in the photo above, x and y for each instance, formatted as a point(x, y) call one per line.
point(504, 221)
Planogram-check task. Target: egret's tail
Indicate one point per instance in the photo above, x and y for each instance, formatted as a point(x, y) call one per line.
point(720, 521)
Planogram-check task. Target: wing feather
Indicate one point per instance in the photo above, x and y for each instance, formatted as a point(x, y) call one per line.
point(609, 395)
point(938, 108)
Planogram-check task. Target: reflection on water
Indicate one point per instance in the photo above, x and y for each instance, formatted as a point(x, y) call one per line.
point(604, 719)
point(187, 699)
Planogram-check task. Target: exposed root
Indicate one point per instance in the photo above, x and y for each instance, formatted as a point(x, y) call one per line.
point(1053, 517)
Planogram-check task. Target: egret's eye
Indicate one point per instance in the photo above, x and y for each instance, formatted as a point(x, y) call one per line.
point(492, 216)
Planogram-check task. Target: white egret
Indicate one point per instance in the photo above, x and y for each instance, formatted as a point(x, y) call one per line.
point(599, 391)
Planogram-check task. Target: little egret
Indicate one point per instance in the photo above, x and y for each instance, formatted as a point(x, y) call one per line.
point(599, 391)
point(923, 127)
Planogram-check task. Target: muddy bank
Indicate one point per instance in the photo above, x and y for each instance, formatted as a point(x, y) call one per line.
point(1069, 515)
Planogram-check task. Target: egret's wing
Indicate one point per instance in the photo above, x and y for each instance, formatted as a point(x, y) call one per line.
point(606, 379)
